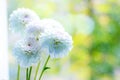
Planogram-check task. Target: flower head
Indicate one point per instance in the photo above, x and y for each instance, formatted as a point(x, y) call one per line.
point(56, 43)
point(20, 18)
point(34, 29)
point(51, 24)
point(27, 52)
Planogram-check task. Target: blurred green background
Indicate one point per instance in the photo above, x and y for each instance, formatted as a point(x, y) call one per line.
point(95, 28)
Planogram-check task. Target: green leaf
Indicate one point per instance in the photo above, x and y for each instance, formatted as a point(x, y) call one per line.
point(46, 68)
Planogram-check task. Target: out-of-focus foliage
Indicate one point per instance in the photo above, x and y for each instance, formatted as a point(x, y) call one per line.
point(95, 28)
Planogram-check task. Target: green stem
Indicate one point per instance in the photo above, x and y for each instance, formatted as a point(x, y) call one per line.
point(18, 73)
point(37, 69)
point(27, 74)
point(43, 69)
point(30, 73)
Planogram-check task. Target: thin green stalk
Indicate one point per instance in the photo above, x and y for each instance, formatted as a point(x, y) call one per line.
point(37, 69)
point(44, 66)
point(27, 74)
point(30, 73)
point(18, 73)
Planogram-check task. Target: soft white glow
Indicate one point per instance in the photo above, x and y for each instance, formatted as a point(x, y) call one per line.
point(3, 41)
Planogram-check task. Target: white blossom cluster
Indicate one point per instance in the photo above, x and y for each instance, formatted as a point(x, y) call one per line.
point(41, 35)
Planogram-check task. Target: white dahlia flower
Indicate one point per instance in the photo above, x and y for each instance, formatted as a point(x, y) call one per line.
point(56, 43)
point(20, 18)
point(34, 29)
point(27, 52)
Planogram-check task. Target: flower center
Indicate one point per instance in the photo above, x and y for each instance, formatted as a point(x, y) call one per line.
point(26, 16)
point(29, 52)
point(29, 44)
point(56, 42)
point(25, 19)
point(37, 38)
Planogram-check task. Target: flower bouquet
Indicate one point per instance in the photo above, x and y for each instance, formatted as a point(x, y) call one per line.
point(39, 36)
